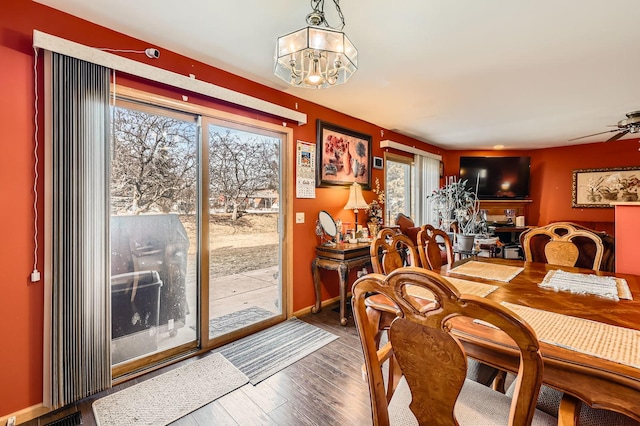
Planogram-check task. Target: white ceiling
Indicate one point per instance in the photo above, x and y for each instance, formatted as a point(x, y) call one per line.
point(458, 74)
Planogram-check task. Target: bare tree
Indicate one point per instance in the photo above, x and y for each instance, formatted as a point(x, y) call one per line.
point(154, 161)
point(240, 167)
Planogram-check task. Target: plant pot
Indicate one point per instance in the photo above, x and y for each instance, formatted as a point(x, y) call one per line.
point(609, 195)
point(464, 242)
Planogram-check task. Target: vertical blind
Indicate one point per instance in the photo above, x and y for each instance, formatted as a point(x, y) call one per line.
point(80, 290)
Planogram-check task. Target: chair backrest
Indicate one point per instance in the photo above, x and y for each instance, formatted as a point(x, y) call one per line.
point(391, 250)
point(434, 245)
point(429, 355)
point(565, 244)
point(407, 227)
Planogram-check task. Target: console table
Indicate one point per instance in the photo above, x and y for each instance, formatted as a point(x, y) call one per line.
point(340, 257)
point(513, 231)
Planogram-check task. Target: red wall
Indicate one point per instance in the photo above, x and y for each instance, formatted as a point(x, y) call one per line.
point(627, 241)
point(554, 168)
point(21, 332)
point(551, 176)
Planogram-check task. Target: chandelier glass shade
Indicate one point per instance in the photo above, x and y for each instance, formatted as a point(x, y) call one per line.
point(315, 57)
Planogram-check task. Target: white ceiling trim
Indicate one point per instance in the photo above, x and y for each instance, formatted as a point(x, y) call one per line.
point(410, 149)
point(118, 63)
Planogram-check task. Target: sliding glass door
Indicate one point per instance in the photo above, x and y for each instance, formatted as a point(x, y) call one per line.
point(197, 229)
point(154, 239)
point(245, 223)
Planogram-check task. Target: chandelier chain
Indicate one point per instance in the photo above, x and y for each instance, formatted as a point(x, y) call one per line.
point(318, 8)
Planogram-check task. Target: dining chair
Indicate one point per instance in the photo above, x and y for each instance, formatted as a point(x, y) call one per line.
point(434, 247)
point(564, 244)
point(574, 411)
point(426, 382)
point(389, 250)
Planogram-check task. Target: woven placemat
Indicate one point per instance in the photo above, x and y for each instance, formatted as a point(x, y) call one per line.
point(617, 344)
point(604, 286)
point(463, 286)
point(489, 271)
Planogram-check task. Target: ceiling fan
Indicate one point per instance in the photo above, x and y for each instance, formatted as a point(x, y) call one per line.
point(630, 125)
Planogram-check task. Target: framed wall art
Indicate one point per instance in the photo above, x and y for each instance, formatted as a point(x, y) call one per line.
point(601, 187)
point(344, 156)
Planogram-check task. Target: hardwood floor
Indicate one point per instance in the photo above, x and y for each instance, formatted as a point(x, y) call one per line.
point(324, 388)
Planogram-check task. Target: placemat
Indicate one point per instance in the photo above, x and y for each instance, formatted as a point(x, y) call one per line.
point(463, 286)
point(618, 344)
point(604, 286)
point(489, 271)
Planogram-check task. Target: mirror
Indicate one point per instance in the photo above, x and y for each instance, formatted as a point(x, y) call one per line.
point(328, 224)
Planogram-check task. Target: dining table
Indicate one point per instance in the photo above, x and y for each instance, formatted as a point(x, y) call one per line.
point(590, 342)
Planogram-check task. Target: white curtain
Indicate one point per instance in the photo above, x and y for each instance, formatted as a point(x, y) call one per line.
point(427, 180)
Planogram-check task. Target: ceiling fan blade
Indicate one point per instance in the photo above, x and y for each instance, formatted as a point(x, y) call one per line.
point(595, 134)
point(618, 136)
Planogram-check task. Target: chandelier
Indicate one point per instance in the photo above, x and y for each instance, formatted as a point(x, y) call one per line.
point(317, 56)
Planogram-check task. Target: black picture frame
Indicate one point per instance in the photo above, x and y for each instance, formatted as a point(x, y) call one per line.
point(601, 187)
point(343, 156)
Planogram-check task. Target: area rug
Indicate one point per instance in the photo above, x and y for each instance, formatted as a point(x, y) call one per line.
point(265, 353)
point(235, 320)
point(169, 396)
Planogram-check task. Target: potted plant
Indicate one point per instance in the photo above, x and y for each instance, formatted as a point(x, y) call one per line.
point(629, 188)
point(457, 203)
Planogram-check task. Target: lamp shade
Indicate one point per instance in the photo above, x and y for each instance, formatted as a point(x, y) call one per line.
point(356, 200)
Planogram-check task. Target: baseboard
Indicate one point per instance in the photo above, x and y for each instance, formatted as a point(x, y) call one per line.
point(324, 303)
point(26, 414)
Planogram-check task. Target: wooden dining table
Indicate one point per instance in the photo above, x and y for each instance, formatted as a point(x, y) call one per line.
point(596, 381)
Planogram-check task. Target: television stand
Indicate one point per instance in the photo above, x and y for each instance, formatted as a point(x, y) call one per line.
point(495, 208)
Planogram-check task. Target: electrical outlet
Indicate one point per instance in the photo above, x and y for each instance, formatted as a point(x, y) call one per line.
point(300, 217)
point(11, 421)
point(35, 276)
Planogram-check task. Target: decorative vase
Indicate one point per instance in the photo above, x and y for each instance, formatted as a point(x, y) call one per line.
point(594, 198)
point(373, 229)
point(608, 194)
point(630, 196)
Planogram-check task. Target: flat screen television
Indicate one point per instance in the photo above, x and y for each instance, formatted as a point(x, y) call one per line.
point(497, 177)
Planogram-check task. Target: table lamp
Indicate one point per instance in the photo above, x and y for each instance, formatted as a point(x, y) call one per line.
point(356, 201)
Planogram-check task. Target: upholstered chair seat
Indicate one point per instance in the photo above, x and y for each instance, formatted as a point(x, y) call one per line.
point(477, 405)
point(549, 402)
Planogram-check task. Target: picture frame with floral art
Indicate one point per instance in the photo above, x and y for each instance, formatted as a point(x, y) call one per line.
point(601, 187)
point(343, 156)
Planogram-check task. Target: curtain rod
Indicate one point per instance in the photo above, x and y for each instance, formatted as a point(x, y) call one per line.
point(118, 63)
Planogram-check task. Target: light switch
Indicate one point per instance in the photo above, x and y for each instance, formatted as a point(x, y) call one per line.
point(300, 217)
